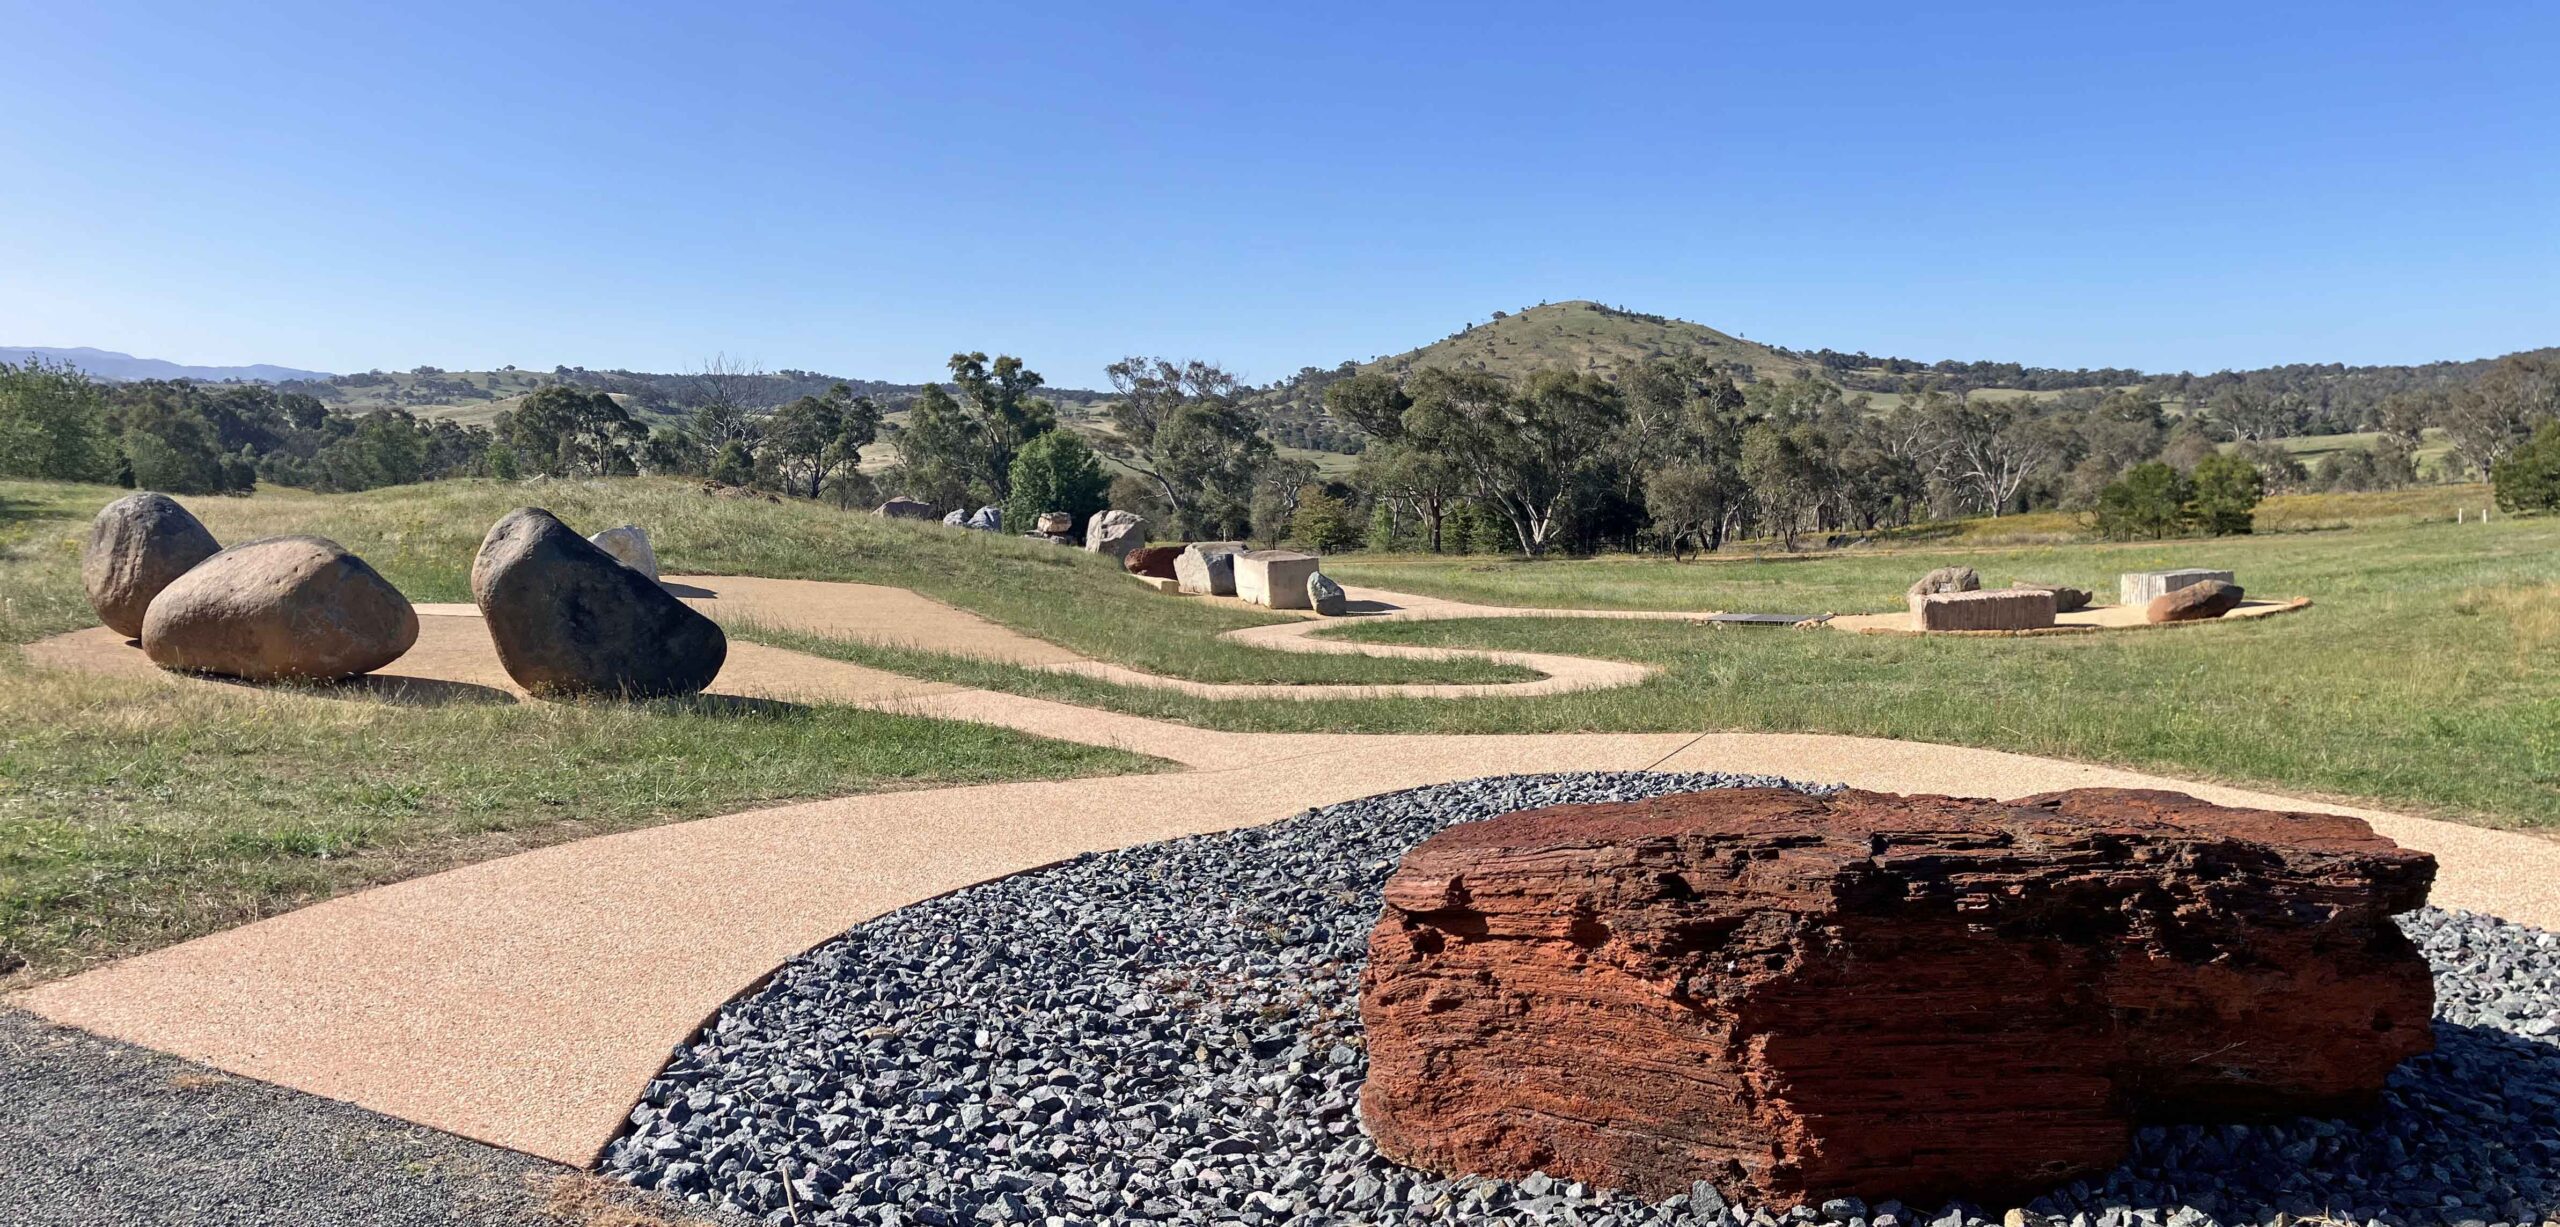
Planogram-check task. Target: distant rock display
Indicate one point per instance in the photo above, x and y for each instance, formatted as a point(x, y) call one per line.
point(137, 546)
point(1862, 995)
point(907, 509)
point(280, 609)
point(568, 620)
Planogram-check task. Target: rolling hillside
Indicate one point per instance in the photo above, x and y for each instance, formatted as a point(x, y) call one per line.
point(1585, 336)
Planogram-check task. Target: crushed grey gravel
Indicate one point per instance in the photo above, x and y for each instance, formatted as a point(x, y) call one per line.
point(94, 1133)
point(1171, 1033)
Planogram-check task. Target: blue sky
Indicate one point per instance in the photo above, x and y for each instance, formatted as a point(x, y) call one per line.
point(864, 189)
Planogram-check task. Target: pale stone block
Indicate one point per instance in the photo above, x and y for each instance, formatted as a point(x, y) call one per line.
point(1277, 578)
point(2139, 587)
point(2001, 609)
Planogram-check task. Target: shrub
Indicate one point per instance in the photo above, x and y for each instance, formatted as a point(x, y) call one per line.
point(2226, 493)
point(1055, 472)
point(2528, 478)
point(2150, 500)
point(53, 424)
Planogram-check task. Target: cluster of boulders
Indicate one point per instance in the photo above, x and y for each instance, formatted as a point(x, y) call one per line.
point(983, 520)
point(1800, 998)
point(1953, 599)
point(569, 615)
point(276, 609)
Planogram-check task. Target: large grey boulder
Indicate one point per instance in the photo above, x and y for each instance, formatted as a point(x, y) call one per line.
point(1325, 596)
point(955, 518)
point(1946, 580)
point(629, 545)
point(1276, 578)
point(137, 546)
point(280, 609)
point(986, 520)
point(1208, 568)
point(906, 509)
point(1115, 533)
point(568, 620)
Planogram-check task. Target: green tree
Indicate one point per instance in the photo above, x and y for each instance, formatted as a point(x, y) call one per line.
point(562, 430)
point(1182, 426)
point(1521, 452)
point(1685, 503)
point(2150, 500)
point(733, 464)
point(2224, 494)
point(816, 437)
point(1324, 522)
point(1787, 473)
point(1056, 472)
point(2527, 478)
point(53, 424)
point(959, 449)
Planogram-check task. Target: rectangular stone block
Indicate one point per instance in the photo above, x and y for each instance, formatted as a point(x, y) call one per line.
point(1992, 609)
point(2138, 587)
point(1277, 578)
point(1208, 568)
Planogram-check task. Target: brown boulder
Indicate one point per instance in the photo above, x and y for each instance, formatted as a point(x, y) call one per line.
point(1154, 561)
point(137, 545)
point(2194, 603)
point(280, 609)
point(1800, 998)
point(568, 620)
point(1945, 580)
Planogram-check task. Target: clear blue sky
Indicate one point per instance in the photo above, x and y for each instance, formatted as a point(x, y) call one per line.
point(863, 189)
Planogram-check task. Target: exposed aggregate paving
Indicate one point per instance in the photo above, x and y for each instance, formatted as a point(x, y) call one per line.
point(1170, 1033)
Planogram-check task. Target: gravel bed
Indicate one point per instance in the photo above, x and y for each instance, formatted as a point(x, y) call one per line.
point(1171, 1033)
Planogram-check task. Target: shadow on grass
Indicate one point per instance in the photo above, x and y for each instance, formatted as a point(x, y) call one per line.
point(396, 689)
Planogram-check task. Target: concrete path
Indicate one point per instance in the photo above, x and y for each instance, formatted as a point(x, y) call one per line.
point(525, 1001)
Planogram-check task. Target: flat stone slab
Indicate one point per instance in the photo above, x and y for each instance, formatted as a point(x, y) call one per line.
point(1990, 609)
point(2139, 587)
point(1743, 619)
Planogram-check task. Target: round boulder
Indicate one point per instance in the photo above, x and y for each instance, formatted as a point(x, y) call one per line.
point(568, 620)
point(280, 609)
point(1325, 596)
point(137, 546)
point(2194, 603)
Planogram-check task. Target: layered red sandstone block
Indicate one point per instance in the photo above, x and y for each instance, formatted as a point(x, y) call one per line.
point(1990, 609)
point(1917, 997)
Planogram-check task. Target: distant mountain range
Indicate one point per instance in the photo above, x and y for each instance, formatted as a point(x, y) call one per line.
point(108, 364)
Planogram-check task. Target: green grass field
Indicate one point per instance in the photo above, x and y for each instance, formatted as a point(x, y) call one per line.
point(134, 813)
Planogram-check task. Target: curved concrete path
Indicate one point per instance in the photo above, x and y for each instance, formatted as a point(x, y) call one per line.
point(525, 1001)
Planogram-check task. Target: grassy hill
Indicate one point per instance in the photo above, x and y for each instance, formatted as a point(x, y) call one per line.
point(1585, 336)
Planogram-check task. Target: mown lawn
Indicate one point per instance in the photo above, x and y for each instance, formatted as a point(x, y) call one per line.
point(2421, 679)
point(134, 813)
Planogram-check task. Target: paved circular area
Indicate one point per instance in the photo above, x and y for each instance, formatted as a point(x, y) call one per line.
point(1170, 1032)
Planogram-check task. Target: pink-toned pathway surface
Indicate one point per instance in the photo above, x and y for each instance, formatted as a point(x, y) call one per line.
point(525, 1001)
